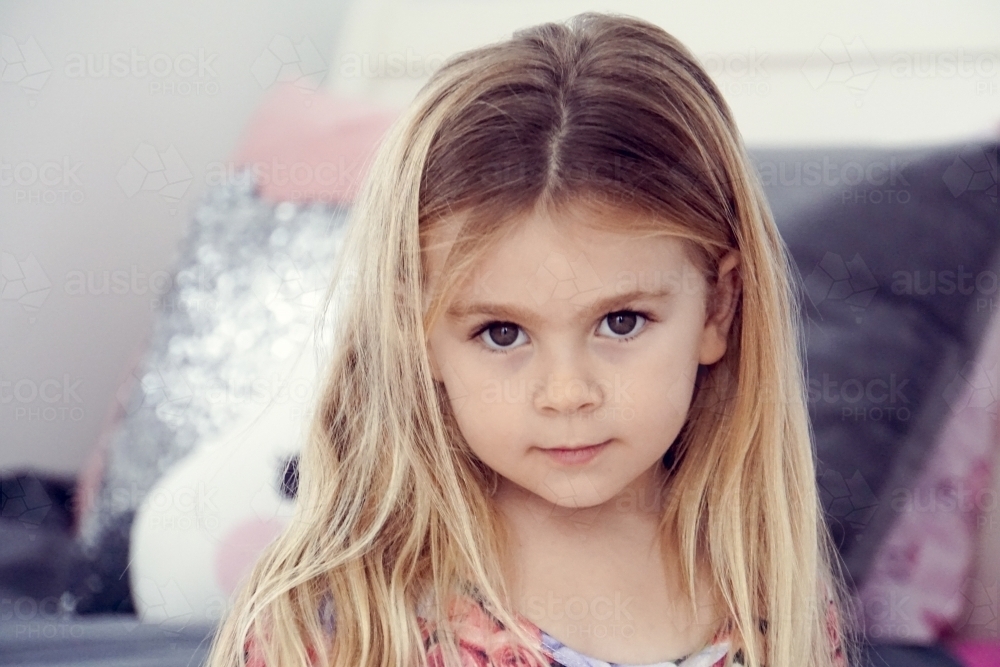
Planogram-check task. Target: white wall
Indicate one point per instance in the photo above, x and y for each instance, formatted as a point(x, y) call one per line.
point(79, 220)
point(853, 72)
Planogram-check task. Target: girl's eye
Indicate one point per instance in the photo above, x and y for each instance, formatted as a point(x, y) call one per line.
point(624, 324)
point(503, 335)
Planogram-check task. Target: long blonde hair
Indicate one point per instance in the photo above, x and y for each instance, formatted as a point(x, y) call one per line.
point(394, 509)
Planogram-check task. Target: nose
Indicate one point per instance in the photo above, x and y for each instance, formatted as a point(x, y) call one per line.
point(568, 389)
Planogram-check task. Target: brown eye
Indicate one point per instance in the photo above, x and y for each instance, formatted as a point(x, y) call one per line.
point(623, 322)
point(500, 336)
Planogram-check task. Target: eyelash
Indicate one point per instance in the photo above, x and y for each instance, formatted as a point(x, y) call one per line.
point(479, 330)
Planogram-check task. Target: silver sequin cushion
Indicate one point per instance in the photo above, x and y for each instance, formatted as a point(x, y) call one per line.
point(245, 292)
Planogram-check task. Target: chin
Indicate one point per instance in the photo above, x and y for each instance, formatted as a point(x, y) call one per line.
point(579, 501)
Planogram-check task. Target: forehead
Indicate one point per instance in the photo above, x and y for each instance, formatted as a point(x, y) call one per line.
point(587, 228)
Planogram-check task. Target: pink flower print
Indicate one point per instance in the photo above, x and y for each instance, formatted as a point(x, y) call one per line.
point(503, 652)
point(833, 633)
point(469, 655)
point(472, 625)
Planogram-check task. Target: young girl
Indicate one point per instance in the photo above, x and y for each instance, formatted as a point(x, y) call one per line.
point(566, 421)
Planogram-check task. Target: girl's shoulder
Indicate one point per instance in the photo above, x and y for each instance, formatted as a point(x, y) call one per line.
point(833, 634)
point(482, 638)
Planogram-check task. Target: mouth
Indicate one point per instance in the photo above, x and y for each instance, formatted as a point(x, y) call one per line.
point(576, 454)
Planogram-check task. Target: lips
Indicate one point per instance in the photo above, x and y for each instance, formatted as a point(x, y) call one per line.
point(575, 455)
point(570, 448)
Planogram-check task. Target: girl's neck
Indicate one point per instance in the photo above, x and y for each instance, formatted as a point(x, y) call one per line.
point(606, 554)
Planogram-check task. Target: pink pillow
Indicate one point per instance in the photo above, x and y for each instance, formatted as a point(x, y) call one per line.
point(312, 146)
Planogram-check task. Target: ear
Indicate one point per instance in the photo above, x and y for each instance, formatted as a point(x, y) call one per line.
point(721, 308)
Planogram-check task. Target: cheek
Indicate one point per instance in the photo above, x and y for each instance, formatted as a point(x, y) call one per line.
point(663, 383)
point(475, 395)
point(489, 405)
point(490, 430)
point(489, 410)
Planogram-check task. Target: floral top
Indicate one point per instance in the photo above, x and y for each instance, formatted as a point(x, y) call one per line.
point(483, 641)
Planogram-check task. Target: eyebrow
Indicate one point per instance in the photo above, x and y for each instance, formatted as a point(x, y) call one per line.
point(509, 312)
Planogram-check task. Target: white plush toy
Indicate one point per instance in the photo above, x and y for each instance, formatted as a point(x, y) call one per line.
point(206, 521)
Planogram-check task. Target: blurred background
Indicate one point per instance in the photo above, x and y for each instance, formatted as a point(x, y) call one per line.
point(125, 130)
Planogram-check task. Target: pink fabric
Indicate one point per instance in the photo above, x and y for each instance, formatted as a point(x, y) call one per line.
point(921, 576)
point(306, 146)
point(976, 653)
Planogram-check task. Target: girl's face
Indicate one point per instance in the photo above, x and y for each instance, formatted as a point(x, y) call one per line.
point(566, 336)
